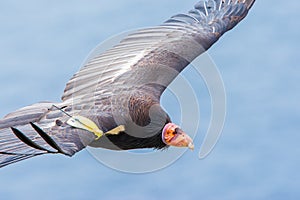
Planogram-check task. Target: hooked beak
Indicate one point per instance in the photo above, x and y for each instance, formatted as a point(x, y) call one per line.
point(181, 139)
point(172, 135)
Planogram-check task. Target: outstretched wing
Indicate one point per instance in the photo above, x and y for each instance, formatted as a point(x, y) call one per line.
point(147, 60)
point(36, 130)
point(152, 57)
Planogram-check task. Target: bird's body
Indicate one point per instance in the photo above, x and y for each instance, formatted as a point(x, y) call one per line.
point(121, 87)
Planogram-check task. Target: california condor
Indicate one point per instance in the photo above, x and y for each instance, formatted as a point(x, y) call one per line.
point(113, 102)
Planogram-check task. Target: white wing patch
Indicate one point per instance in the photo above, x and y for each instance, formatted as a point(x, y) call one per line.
point(205, 23)
point(102, 70)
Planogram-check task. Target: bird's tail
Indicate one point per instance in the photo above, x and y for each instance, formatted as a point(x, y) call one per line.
point(35, 130)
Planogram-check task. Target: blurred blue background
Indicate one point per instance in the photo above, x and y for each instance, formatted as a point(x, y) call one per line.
point(258, 156)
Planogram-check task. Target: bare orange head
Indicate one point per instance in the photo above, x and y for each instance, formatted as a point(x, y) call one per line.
point(172, 135)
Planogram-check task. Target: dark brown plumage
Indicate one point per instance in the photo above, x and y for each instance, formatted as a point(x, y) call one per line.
point(121, 86)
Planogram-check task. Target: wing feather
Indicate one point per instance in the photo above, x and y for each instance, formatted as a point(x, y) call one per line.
point(32, 131)
point(149, 58)
point(180, 39)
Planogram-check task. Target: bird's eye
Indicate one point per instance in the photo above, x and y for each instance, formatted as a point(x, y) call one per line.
point(176, 130)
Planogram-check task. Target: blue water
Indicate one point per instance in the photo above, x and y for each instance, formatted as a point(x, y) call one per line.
point(43, 43)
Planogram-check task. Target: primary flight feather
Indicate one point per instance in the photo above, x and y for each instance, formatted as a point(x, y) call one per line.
point(113, 102)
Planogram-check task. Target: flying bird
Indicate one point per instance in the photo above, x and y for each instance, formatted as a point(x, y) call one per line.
point(113, 102)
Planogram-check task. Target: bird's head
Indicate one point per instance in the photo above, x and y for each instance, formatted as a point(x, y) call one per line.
point(172, 135)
